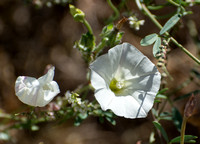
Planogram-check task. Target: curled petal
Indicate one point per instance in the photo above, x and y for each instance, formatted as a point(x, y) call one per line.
point(48, 77)
point(37, 92)
point(47, 93)
point(27, 88)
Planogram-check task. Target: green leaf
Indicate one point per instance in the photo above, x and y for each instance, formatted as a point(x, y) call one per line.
point(149, 39)
point(111, 120)
point(177, 118)
point(82, 115)
point(87, 42)
point(156, 46)
point(162, 130)
point(187, 138)
point(165, 116)
point(162, 91)
point(85, 45)
point(170, 23)
point(161, 96)
point(157, 101)
point(154, 112)
point(112, 35)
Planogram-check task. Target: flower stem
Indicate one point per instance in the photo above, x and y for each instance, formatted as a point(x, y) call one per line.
point(183, 126)
point(85, 22)
point(114, 9)
point(142, 6)
point(100, 46)
point(173, 3)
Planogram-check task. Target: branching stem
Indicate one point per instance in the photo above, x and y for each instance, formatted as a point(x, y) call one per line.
point(142, 7)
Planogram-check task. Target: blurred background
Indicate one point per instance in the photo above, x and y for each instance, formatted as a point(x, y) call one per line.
point(32, 37)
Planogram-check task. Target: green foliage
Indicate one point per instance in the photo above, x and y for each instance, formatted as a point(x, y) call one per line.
point(170, 23)
point(149, 39)
point(79, 118)
point(187, 139)
point(177, 118)
point(111, 35)
point(85, 45)
point(156, 46)
point(162, 130)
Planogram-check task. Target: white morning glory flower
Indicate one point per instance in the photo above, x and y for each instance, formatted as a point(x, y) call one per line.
point(125, 81)
point(37, 92)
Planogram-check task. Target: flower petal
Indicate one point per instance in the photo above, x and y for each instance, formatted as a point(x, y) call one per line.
point(26, 88)
point(127, 107)
point(48, 77)
point(47, 93)
point(97, 81)
point(37, 92)
point(145, 100)
point(149, 82)
point(145, 67)
point(125, 57)
point(102, 67)
point(104, 97)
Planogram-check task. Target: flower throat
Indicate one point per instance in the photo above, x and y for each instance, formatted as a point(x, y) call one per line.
point(116, 86)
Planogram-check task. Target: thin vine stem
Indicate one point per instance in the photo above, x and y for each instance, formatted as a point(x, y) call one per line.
point(143, 7)
point(114, 9)
point(173, 3)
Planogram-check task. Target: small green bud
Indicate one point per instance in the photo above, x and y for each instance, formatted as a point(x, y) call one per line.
point(77, 13)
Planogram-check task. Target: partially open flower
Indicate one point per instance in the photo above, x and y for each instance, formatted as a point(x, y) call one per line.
point(37, 92)
point(125, 81)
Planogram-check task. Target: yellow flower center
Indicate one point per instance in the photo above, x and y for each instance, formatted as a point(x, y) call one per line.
point(116, 86)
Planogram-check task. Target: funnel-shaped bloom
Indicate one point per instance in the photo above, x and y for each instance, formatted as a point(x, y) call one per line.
point(125, 81)
point(37, 92)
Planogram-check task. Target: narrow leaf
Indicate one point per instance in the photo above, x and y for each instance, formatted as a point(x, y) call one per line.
point(162, 91)
point(166, 116)
point(156, 46)
point(170, 23)
point(177, 118)
point(161, 96)
point(149, 39)
point(162, 130)
point(187, 138)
